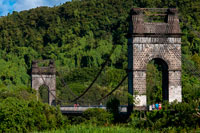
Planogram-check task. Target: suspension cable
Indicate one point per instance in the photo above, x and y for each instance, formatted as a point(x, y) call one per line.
point(56, 98)
point(103, 66)
point(113, 89)
point(65, 85)
point(70, 90)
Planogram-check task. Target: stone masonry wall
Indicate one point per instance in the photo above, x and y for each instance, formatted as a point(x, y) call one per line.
point(145, 49)
point(48, 80)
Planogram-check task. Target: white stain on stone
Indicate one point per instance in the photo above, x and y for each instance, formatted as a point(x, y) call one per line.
point(140, 100)
point(175, 93)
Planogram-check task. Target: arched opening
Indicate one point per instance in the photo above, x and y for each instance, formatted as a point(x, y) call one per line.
point(44, 93)
point(157, 81)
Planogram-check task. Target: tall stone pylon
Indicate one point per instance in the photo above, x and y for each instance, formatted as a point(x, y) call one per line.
point(44, 76)
point(149, 40)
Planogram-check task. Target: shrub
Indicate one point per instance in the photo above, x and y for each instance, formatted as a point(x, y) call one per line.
point(75, 120)
point(19, 93)
point(177, 115)
point(17, 115)
point(113, 107)
point(97, 116)
point(136, 121)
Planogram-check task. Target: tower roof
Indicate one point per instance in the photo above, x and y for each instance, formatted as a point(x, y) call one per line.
point(48, 70)
point(154, 22)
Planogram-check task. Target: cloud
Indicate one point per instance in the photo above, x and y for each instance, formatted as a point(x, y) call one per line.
point(27, 4)
point(7, 6)
point(55, 2)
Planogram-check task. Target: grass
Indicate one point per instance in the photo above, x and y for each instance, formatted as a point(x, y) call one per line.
point(97, 129)
point(112, 129)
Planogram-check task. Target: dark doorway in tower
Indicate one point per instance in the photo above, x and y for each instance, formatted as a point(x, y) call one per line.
point(157, 81)
point(44, 93)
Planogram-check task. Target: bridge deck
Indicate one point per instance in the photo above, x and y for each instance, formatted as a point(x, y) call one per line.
point(80, 109)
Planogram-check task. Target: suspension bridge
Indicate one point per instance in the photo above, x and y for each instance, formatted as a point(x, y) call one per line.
point(148, 39)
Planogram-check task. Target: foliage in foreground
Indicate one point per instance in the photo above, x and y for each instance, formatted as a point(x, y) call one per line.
point(112, 106)
point(20, 112)
point(111, 129)
point(175, 117)
point(24, 115)
point(178, 116)
point(100, 129)
point(95, 116)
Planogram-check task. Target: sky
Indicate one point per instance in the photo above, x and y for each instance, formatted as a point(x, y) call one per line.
point(8, 6)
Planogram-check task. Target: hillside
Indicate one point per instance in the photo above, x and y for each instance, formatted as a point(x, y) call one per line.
point(80, 35)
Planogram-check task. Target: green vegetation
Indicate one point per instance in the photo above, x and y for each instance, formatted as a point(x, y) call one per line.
point(95, 116)
point(111, 129)
point(177, 116)
point(80, 36)
point(21, 112)
point(154, 83)
point(98, 129)
point(44, 93)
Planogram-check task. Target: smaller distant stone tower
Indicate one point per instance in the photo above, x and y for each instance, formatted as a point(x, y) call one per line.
point(45, 76)
point(154, 40)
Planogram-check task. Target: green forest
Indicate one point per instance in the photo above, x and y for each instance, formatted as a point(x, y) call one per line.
point(80, 36)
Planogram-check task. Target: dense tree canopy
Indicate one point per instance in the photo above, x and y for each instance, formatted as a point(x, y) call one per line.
point(81, 34)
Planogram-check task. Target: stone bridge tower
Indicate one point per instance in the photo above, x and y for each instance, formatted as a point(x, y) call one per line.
point(154, 40)
point(45, 76)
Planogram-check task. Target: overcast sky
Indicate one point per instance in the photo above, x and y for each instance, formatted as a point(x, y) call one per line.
point(7, 6)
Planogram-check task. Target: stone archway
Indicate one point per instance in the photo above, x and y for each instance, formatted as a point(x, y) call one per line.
point(43, 93)
point(159, 77)
point(44, 76)
point(150, 40)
